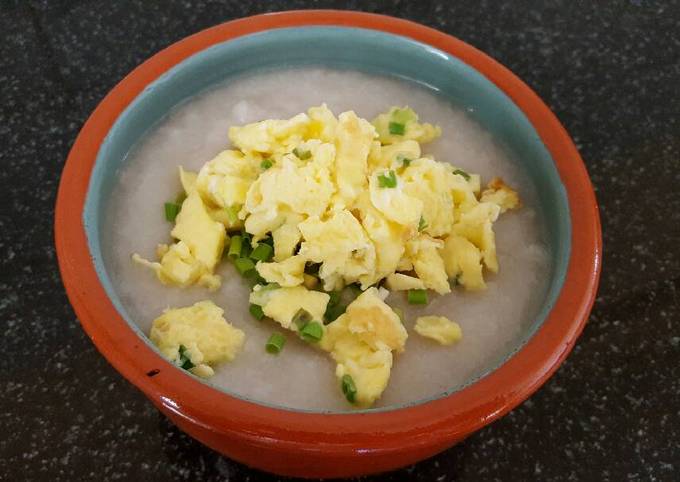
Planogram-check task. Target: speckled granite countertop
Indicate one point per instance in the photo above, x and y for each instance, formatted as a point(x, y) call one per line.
point(610, 71)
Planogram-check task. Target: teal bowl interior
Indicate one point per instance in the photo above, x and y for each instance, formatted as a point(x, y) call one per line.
point(359, 49)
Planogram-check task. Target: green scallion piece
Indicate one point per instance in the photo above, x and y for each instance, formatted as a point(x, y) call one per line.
point(171, 211)
point(388, 180)
point(246, 247)
point(263, 252)
point(266, 164)
point(333, 312)
point(235, 246)
point(302, 154)
point(268, 240)
point(256, 311)
point(403, 116)
point(244, 266)
point(417, 297)
point(405, 161)
point(356, 289)
point(184, 361)
point(348, 388)
point(465, 175)
point(301, 318)
point(312, 332)
point(334, 298)
point(422, 224)
point(232, 213)
point(396, 128)
point(275, 343)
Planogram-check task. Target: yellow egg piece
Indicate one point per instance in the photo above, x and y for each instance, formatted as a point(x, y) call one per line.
point(393, 155)
point(402, 282)
point(463, 262)
point(323, 123)
point(394, 202)
point(341, 245)
point(201, 329)
point(387, 237)
point(289, 272)
point(439, 328)
point(225, 180)
point(270, 136)
point(282, 304)
point(204, 236)
point(430, 182)
point(286, 238)
point(476, 225)
point(361, 342)
point(192, 260)
point(353, 138)
point(499, 193)
point(400, 124)
point(423, 251)
point(287, 188)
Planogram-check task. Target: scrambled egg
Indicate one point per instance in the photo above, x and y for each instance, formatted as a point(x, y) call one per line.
point(341, 245)
point(193, 258)
point(197, 336)
point(344, 201)
point(362, 340)
point(282, 304)
point(438, 328)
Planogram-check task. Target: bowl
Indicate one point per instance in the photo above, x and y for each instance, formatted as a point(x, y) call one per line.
point(315, 444)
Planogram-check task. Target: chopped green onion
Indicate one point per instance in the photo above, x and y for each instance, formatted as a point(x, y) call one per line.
point(389, 180)
point(422, 224)
point(465, 175)
point(403, 116)
point(356, 289)
point(312, 332)
point(246, 247)
point(417, 297)
point(348, 388)
point(334, 298)
point(302, 154)
point(235, 246)
point(275, 343)
point(245, 266)
point(266, 164)
point(232, 213)
point(180, 198)
point(400, 313)
point(184, 361)
point(301, 318)
point(171, 211)
point(263, 252)
point(396, 128)
point(333, 312)
point(405, 161)
point(268, 240)
point(256, 311)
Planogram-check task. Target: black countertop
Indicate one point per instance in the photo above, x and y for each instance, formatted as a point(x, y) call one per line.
point(611, 73)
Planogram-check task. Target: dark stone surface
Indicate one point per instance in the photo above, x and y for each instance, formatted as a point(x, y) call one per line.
point(610, 71)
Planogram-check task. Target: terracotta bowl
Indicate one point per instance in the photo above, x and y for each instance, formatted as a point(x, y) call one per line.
point(304, 443)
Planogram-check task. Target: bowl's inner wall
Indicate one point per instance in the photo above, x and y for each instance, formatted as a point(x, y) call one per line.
point(339, 47)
